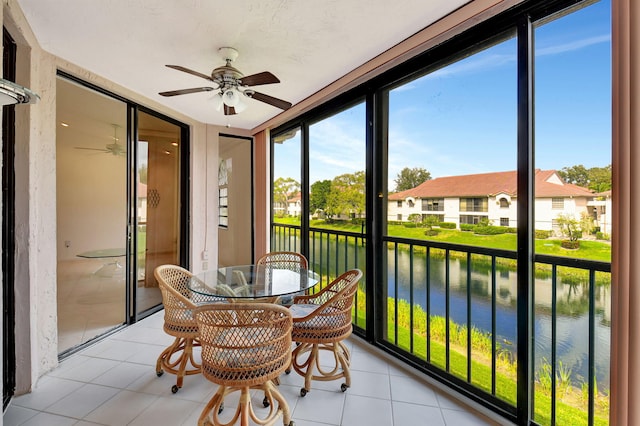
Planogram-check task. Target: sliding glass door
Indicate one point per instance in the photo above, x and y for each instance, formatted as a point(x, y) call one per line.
point(91, 162)
point(158, 203)
point(120, 210)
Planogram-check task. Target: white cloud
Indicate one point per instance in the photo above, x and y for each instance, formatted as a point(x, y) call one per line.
point(572, 45)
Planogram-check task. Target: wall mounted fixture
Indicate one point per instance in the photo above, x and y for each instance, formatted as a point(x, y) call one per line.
point(12, 93)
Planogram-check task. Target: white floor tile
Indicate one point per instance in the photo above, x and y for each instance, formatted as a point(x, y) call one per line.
point(165, 411)
point(121, 409)
point(405, 389)
point(48, 419)
point(82, 401)
point(48, 390)
point(85, 369)
point(321, 406)
point(374, 385)
point(122, 375)
point(406, 414)
point(363, 411)
point(464, 418)
point(114, 382)
point(16, 415)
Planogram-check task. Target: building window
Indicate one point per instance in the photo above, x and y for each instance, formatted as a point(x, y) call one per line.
point(223, 207)
point(557, 203)
point(223, 195)
point(399, 217)
point(399, 203)
point(439, 217)
point(473, 204)
point(470, 219)
point(433, 204)
point(504, 203)
point(504, 221)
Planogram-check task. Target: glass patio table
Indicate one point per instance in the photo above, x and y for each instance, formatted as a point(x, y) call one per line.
point(252, 282)
point(109, 269)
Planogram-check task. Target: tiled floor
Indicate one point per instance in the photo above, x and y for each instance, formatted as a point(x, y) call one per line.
point(114, 383)
point(91, 302)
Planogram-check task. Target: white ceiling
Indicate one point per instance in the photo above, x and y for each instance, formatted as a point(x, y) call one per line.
point(307, 44)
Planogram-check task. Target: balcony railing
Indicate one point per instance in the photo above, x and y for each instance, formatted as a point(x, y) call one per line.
point(450, 311)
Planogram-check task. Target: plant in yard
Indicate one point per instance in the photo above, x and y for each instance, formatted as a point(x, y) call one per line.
point(563, 379)
point(415, 218)
point(430, 221)
point(571, 230)
point(544, 377)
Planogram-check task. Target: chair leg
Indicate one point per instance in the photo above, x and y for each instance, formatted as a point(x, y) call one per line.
point(271, 393)
point(209, 415)
point(244, 412)
point(311, 364)
point(183, 347)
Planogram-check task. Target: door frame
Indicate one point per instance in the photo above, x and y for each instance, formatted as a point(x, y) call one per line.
point(8, 228)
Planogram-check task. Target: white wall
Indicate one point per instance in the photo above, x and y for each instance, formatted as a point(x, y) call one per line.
point(36, 171)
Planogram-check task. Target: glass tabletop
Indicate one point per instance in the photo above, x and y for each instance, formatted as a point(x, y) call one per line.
point(251, 281)
point(102, 253)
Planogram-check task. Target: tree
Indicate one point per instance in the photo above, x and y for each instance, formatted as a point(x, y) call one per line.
point(346, 195)
point(283, 190)
point(410, 178)
point(569, 227)
point(577, 175)
point(600, 178)
point(597, 179)
point(415, 218)
point(318, 196)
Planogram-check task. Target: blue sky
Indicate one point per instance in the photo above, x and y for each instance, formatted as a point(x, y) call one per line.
point(461, 119)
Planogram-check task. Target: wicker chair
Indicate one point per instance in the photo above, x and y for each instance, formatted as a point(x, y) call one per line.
point(244, 346)
point(280, 260)
point(321, 322)
point(179, 303)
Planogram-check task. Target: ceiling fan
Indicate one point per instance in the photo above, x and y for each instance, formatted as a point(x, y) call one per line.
point(230, 84)
point(111, 148)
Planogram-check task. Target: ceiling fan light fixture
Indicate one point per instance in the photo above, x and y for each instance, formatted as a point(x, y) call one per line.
point(241, 106)
point(217, 101)
point(231, 98)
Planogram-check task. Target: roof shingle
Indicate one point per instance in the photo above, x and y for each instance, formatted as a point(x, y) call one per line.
point(547, 184)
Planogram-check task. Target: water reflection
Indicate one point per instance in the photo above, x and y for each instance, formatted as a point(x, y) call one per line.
point(572, 304)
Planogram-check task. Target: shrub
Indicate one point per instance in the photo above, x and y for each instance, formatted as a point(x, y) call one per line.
point(571, 245)
point(357, 220)
point(490, 230)
point(602, 236)
point(542, 235)
point(447, 225)
point(409, 225)
point(467, 227)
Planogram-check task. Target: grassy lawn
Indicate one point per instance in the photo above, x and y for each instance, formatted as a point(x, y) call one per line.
point(570, 408)
point(591, 250)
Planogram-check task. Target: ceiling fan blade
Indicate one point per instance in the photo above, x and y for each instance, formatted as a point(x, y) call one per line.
point(271, 100)
point(258, 79)
point(192, 72)
point(186, 91)
point(229, 110)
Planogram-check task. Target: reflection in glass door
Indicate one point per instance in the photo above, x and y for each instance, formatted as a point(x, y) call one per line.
point(91, 161)
point(118, 210)
point(158, 203)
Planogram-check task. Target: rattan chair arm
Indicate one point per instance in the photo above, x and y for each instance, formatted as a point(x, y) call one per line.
point(188, 302)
